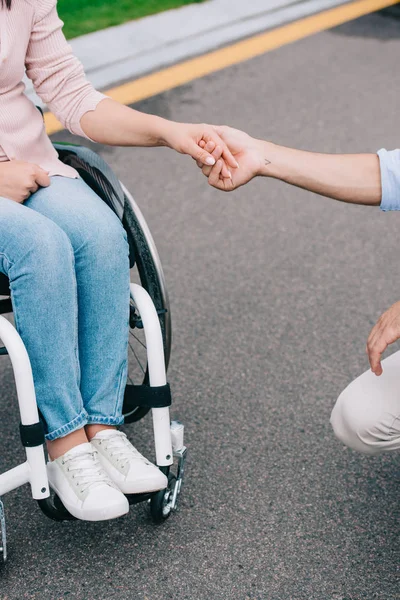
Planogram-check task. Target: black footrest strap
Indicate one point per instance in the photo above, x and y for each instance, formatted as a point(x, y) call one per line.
point(146, 396)
point(32, 435)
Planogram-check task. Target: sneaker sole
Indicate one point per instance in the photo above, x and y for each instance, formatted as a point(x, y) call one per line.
point(140, 487)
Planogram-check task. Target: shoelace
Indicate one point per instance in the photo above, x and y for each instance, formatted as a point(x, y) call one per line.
point(120, 447)
point(87, 469)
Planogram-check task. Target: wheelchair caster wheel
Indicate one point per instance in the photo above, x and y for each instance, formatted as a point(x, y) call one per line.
point(160, 505)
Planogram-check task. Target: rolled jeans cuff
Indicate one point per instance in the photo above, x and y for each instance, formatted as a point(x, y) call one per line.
point(98, 420)
point(77, 423)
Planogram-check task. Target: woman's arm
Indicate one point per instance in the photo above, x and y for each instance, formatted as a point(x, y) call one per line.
point(118, 125)
point(59, 80)
point(57, 75)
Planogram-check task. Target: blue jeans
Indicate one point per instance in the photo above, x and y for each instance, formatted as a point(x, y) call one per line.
point(66, 255)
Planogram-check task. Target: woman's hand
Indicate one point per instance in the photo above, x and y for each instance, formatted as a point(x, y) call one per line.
point(192, 140)
point(18, 179)
point(385, 332)
point(247, 151)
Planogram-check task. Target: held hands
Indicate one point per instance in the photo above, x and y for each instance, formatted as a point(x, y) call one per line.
point(192, 139)
point(385, 332)
point(228, 157)
point(247, 151)
point(19, 179)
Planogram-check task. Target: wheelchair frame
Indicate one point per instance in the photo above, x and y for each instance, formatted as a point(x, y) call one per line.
point(153, 394)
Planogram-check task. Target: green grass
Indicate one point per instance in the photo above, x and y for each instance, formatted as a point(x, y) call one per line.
point(84, 16)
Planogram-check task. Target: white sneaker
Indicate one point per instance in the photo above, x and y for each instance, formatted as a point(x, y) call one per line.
point(131, 471)
point(84, 487)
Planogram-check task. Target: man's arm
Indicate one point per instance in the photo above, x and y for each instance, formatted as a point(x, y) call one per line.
point(351, 178)
point(355, 178)
point(369, 179)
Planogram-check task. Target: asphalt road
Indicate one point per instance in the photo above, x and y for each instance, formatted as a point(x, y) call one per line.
point(274, 291)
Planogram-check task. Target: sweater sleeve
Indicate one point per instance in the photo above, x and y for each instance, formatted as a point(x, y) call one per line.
point(57, 75)
point(390, 179)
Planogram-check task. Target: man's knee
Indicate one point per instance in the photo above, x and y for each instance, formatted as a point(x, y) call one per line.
point(356, 425)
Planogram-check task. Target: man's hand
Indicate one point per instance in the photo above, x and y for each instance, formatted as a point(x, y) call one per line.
point(246, 150)
point(19, 179)
point(385, 332)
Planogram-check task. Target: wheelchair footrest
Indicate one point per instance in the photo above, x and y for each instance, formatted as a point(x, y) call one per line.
point(136, 498)
point(54, 509)
point(3, 539)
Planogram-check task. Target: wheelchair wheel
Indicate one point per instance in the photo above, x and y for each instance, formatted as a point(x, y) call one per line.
point(160, 502)
point(148, 272)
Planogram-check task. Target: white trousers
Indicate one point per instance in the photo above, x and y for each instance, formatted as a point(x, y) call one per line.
point(366, 416)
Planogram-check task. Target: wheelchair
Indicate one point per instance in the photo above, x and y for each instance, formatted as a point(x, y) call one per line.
point(149, 353)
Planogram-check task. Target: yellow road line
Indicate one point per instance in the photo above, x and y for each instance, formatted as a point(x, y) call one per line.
point(167, 79)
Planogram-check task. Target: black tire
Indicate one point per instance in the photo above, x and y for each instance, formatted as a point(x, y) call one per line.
point(158, 506)
point(159, 511)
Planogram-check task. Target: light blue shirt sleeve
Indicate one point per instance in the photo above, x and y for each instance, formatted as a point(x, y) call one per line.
point(390, 179)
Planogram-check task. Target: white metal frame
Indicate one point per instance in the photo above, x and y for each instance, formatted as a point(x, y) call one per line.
point(33, 470)
point(157, 373)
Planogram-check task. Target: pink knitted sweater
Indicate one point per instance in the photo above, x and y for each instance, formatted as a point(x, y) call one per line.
point(31, 38)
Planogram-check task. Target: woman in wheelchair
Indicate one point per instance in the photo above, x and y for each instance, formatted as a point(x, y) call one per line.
point(66, 256)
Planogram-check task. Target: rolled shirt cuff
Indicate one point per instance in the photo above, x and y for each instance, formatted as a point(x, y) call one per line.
point(89, 103)
point(390, 179)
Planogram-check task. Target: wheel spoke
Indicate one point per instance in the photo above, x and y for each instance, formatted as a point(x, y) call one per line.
point(138, 340)
point(137, 358)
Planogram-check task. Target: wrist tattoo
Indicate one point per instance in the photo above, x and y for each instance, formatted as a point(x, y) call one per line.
point(267, 162)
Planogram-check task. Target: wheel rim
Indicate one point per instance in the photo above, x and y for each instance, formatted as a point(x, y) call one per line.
point(166, 508)
point(137, 352)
